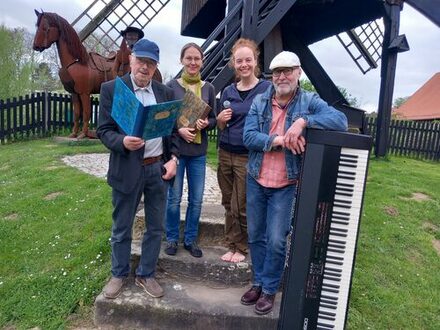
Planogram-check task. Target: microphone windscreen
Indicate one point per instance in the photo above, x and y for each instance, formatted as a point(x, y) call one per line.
point(226, 104)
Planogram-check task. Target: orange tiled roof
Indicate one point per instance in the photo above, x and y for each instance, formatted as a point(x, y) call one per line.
point(424, 104)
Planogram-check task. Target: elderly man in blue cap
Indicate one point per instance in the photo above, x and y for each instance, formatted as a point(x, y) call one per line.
point(137, 167)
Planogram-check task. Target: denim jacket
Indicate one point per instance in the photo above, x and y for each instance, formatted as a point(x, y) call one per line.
point(307, 105)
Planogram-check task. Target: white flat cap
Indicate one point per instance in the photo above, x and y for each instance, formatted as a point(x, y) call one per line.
point(284, 59)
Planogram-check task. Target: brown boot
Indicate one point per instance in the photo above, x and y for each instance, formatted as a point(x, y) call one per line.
point(113, 288)
point(264, 304)
point(251, 296)
point(150, 286)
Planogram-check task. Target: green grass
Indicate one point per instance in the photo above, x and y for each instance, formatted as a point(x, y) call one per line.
point(55, 254)
point(211, 157)
point(54, 247)
point(397, 282)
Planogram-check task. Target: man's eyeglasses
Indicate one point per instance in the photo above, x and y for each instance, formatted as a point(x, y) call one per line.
point(287, 71)
point(147, 61)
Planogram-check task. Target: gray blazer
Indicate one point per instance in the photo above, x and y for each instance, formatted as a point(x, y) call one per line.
point(125, 166)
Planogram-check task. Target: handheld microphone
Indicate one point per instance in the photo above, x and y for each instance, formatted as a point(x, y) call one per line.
point(226, 104)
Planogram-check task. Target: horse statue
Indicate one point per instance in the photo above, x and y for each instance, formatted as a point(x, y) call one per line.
point(81, 73)
point(122, 62)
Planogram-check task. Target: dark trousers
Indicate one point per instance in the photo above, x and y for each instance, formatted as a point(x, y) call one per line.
point(231, 175)
point(154, 189)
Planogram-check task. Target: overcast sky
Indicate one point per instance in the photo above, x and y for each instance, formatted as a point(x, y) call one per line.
point(414, 67)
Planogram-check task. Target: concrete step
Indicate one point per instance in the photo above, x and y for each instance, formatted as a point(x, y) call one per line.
point(211, 225)
point(187, 304)
point(209, 268)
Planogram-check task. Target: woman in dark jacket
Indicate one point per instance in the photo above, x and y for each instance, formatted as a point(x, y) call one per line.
point(193, 148)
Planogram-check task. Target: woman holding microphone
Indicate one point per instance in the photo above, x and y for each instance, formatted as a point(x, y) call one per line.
point(236, 100)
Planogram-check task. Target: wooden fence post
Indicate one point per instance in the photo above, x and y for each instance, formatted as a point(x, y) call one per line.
point(46, 110)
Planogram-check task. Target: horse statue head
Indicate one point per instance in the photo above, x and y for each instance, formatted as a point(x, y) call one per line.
point(51, 28)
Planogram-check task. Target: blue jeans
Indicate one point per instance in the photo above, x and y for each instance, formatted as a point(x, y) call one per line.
point(195, 167)
point(269, 214)
point(125, 205)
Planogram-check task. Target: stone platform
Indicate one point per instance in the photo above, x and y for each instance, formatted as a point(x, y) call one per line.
point(200, 293)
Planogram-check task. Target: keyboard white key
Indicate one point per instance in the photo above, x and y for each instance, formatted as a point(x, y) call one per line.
point(344, 230)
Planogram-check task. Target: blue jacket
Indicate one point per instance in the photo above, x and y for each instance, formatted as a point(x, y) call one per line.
point(231, 138)
point(306, 105)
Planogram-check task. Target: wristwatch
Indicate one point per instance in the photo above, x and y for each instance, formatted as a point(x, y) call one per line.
point(173, 157)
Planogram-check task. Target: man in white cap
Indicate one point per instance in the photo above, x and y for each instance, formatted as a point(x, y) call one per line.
point(273, 135)
point(137, 167)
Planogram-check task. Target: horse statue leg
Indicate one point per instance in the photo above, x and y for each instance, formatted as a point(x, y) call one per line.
point(76, 115)
point(86, 114)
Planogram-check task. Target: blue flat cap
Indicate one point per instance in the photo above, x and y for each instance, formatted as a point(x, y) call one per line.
point(146, 48)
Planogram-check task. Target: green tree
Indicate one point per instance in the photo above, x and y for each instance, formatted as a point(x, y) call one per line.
point(352, 101)
point(307, 85)
point(16, 63)
point(399, 101)
point(45, 78)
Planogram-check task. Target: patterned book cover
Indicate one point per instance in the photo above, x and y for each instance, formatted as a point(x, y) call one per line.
point(148, 122)
point(193, 108)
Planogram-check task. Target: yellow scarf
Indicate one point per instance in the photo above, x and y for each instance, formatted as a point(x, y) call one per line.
point(196, 82)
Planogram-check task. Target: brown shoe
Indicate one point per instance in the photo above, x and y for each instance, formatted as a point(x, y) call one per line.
point(251, 296)
point(264, 304)
point(150, 286)
point(113, 288)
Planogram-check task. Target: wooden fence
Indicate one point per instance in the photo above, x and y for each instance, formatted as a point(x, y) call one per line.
point(419, 139)
point(44, 114)
point(38, 115)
